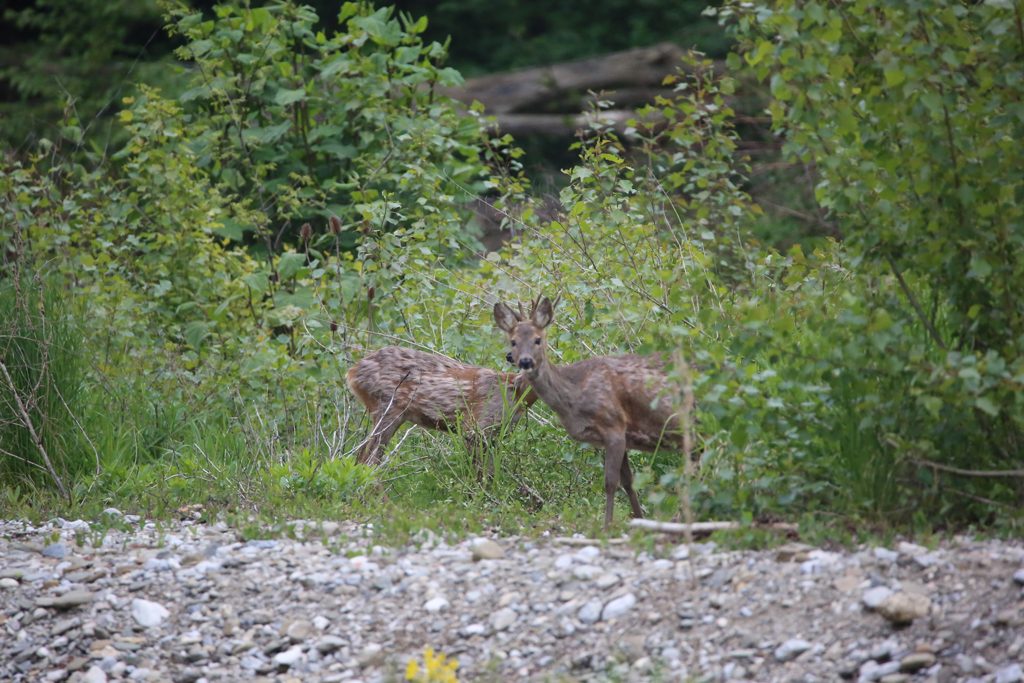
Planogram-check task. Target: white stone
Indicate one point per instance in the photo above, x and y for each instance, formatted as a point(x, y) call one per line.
point(289, 657)
point(791, 649)
point(8, 582)
point(94, 675)
point(1010, 674)
point(585, 572)
point(619, 606)
point(681, 552)
point(590, 612)
point(886, 555)
point(435, 605)
point(874, 597)
point(147, 613)
point(502, 619)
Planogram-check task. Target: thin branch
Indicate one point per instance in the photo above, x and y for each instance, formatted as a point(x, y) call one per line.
point(993, 474)
point(932, 331)
point(27, 421)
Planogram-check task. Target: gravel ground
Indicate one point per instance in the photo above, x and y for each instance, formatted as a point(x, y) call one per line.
point(187, 601)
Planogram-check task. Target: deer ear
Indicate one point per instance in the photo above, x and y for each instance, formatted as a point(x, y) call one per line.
point(543, 313)
point(506, 319)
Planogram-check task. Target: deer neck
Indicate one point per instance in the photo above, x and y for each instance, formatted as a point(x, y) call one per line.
point(554, 387)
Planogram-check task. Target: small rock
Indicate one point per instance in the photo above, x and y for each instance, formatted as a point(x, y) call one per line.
point(916, 661)
point(435, 605)
point(70, 599)
point(328, 644)
point(55, 550)
point(617, 607)
point(371, 655)
point(874, 597)
point(502, 619)
point(474, 629)
point(289, 657)
point(113, 512)
point(1018, 576)
point(894, 678)
point(8, 583)
point(607, 580)
point(682, 552)
point(791, 649)
point(886, 555)
point(903, 608)
point(792, 552)
point(1010, 674)
point(299, 630)
point(147, 613)
point(590, 612)
point(94, 675)
point(486, 549)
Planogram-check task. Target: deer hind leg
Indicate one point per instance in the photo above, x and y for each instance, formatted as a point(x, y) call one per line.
point(385, 424)
point(627, 483)
point(614, 457)
point(481, 451)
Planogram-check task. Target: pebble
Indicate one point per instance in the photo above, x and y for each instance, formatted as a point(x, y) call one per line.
point(147, 613)
point(791, 649)
point(94, 675)
point(503, 619)
point(874, 597)
point(617, 607)
point(289, 657)
point(1010, 674)
point(355, 609)
point(328, 644)
point(590, 612)
point(904, 608)
point(486, 549)
point(1018, 576)
point(55, 550)
point(435, 605)
point(69, 600)
point(916, 661)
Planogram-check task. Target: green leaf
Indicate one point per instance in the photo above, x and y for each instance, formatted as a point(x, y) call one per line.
point(286, 97)
point(987, 406)
point(289, 264)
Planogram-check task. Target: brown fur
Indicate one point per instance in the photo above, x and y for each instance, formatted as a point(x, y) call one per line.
point(399, 385)
point(611, 402)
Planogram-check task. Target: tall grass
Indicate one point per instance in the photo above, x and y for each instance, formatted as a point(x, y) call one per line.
point(42, 368)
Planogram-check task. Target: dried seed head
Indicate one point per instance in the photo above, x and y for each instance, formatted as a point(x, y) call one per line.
point(306, 232)
point(370, 293)
point(334, 326)
point(335, 223)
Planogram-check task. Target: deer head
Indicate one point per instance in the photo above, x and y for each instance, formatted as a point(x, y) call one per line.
point(526, 335)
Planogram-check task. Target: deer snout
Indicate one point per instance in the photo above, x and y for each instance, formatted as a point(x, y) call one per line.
point(526, 363)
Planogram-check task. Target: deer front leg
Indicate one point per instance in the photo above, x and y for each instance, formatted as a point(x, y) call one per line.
point(614, 456)
point(627, 483)
point(385, 424)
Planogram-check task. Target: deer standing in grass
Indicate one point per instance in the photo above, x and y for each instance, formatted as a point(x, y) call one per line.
point(611, 402)
point(399, 385)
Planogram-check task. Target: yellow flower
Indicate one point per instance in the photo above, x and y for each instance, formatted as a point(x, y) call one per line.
point(411, 670)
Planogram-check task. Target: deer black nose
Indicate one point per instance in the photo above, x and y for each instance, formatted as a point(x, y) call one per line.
point(508, 357)
point(526, 363)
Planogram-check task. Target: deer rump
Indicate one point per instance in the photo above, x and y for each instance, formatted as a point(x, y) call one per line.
point(399, 385)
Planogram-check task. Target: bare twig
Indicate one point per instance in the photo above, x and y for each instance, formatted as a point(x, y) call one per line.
point(994, 474)
point(27, 423)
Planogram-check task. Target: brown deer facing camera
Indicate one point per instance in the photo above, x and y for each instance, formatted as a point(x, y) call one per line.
point(611, 402)
point(399, 385)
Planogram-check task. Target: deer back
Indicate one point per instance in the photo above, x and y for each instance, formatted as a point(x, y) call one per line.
point(429, 389)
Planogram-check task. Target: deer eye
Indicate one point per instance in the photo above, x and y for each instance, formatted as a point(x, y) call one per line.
point(537, 341)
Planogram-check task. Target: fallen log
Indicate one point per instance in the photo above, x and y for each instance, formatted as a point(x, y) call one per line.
point(704, 527)
point(534, 89)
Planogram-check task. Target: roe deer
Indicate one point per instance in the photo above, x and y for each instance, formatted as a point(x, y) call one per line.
point(611, 402)
point(399, 385)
